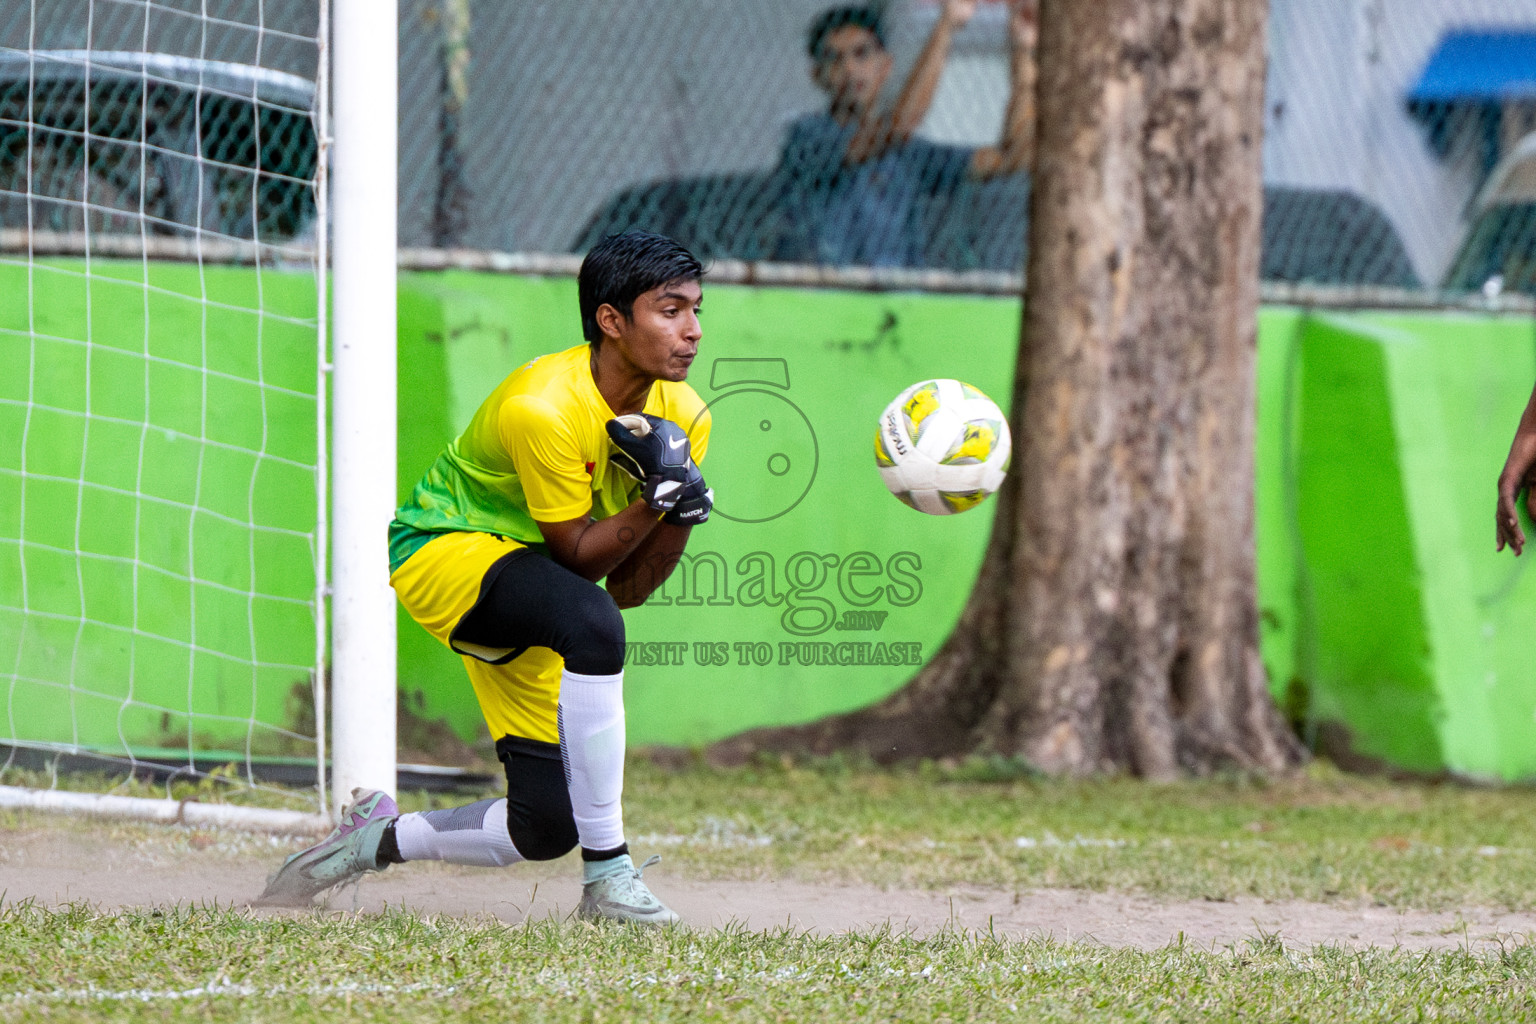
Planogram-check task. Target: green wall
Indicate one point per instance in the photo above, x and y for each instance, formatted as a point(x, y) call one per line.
point(1418, 637)
point(1385, 614)
point(791, 565)
point(177, 575)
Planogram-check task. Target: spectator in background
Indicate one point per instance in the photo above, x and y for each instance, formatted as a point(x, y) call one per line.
point(854, 175)
point(1519, 474)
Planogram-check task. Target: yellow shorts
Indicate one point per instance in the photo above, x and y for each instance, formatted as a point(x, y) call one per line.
point(438, 585)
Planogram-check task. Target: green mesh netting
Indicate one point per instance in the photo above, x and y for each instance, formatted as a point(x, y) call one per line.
point(160, 543)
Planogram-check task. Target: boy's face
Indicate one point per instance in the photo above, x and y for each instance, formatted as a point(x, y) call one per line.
point(661, 339)
point(852, 67)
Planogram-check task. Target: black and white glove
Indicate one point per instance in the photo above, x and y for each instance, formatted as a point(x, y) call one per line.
point(697, 499)
point(655, 452)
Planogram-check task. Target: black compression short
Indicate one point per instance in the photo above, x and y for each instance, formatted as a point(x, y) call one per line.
point(527, 600)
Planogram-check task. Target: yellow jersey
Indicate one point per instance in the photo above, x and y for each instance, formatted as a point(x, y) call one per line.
point(535, 451)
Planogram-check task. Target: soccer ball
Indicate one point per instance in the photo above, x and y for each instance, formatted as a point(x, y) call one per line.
point(942, 446)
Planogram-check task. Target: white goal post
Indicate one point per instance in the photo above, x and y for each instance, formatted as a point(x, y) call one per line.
point(364, 96)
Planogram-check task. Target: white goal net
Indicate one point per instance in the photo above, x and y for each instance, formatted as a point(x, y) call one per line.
point(161, 419)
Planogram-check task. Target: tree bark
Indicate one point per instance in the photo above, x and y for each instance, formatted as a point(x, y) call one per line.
point(1114, 626)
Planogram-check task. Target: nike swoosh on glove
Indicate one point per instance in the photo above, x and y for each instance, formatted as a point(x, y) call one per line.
point(654, 451)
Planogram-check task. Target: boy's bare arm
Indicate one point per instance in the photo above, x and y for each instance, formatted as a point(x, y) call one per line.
point(1519, 474)
point(593, 549)
point(648, 566)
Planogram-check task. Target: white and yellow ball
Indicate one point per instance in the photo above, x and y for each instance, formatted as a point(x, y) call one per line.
point(942, 446)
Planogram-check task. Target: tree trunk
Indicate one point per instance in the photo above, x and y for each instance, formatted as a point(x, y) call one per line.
point(1114, 625)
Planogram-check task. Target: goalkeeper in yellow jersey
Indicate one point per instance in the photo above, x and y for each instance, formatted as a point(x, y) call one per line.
point(580, 466)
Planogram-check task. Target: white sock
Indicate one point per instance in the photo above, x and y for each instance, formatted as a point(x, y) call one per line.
point(592, 746)
point(475, 835)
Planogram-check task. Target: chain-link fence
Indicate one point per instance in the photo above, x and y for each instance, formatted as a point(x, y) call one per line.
point(1418, 108)
point(157, 118)
point(1393, 154)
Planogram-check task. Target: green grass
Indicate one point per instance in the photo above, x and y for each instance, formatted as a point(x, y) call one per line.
point(1319, 836)
point(76, 964)
point(1322, 836)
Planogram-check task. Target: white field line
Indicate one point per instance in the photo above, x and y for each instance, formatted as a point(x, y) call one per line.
point(1049, 839)
point(218, 989)
point(564, 983)
point(548, 979)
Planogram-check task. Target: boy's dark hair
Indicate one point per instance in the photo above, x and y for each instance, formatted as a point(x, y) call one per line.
point(621, 268)
point(865, 16)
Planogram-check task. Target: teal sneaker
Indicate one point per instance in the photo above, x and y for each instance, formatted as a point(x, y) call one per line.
point(351, 849)
point(620, 895)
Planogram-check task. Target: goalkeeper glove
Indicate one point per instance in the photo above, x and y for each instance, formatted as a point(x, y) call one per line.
point(655, 452)
point(693, 505)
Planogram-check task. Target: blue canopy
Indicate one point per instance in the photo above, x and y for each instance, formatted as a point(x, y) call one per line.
point(1479, 66)
point(1474, 72)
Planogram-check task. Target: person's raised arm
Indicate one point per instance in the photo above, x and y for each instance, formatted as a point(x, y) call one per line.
point(1015, 150)
point(1519, 475)
point(879, 132)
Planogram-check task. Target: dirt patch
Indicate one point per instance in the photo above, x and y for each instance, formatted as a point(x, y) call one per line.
point(57, 861)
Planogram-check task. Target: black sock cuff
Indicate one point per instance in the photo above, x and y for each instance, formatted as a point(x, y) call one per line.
point(389, 848)
point(617, 851)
